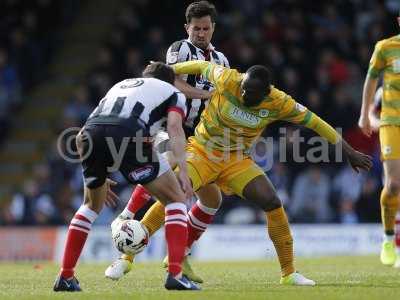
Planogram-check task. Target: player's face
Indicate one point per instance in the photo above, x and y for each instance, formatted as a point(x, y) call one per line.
point(200, 31)
point(253, 91)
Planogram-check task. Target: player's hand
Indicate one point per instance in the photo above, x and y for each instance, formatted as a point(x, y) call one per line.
point(357, 160)
point(112, 198)
point(365, 125)
point(185, 182)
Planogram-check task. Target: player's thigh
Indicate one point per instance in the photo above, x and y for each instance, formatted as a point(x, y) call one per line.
point(210, 195)
point(261, 191)
point(237, 174)
point(144, 168)
point(249, 181)
point(389, 136)
point(94, 198)
point(166, 188)
point(201, 169)
point(92, 149)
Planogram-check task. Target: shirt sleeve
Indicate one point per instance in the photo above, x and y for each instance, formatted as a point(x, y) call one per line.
point(177, 52)
point(377, 62)
point(225, 61)
point(293, 111)
point(296, 113)
point(177, 103)
point(219, 75)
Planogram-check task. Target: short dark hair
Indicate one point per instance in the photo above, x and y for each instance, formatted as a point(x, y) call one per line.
point(160, 71)
point(260, 72)
point(200, 9)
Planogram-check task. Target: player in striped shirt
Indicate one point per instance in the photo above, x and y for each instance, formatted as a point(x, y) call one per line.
point(200, 18)
point(385, 61)
point(130, 114)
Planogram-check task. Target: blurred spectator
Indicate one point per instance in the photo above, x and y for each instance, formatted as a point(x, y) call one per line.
point(32, 207)
point(9, 83)
point(310, 197)
point(279, 177)
point(368, 205)
point(79, 107)
point(346, 191)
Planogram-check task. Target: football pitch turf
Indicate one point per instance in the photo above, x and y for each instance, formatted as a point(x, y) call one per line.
point(337, 278)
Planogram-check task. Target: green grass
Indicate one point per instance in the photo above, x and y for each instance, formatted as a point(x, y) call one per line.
point(337, 278)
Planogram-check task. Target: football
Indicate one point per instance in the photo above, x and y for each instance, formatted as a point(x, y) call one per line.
point(130, 237)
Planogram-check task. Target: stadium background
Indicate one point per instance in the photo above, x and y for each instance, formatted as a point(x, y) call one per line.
point(57, 59)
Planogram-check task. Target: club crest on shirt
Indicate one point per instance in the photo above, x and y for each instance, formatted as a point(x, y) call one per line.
point(263, 113)
point(173, 57)
point(387, 150)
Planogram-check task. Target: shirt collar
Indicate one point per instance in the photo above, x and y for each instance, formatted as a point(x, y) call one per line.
point(210, 47)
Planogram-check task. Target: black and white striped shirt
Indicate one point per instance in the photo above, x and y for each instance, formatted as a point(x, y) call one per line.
point(182, 51)
point(146, 99)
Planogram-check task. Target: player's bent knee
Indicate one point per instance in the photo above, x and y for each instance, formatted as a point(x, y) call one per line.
point(271, 203)
point(392, 186)
point(94, 198)
point(210, 196)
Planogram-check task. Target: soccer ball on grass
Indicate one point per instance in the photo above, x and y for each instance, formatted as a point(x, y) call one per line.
point(130, 237)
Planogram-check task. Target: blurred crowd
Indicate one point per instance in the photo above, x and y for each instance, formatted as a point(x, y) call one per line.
point(318, 52)
point(28, 35)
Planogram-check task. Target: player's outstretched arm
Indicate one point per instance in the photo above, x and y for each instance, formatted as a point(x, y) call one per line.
point(191, 67)
point(357, 160)
point(191, 92)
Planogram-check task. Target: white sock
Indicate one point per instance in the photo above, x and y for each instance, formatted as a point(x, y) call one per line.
point(388, 237)
point(126, 214)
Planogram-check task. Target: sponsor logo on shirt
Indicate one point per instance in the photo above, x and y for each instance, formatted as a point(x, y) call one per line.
point(244, 117)
point(141, 173)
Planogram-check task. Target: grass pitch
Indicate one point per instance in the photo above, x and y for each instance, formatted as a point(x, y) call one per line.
point(337, 278)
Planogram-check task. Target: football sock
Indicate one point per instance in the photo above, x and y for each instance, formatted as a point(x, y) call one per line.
point(77, 233)
point(154, 217)
point(128, 257)
point(388, 237)
point(199, 218)
point(140, 196)
point(279, 232)
point(389, 207)
point(176, 235)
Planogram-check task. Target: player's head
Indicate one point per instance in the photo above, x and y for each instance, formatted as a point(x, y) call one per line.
point(256, 85)
point(200, 23)
point(160, 71)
